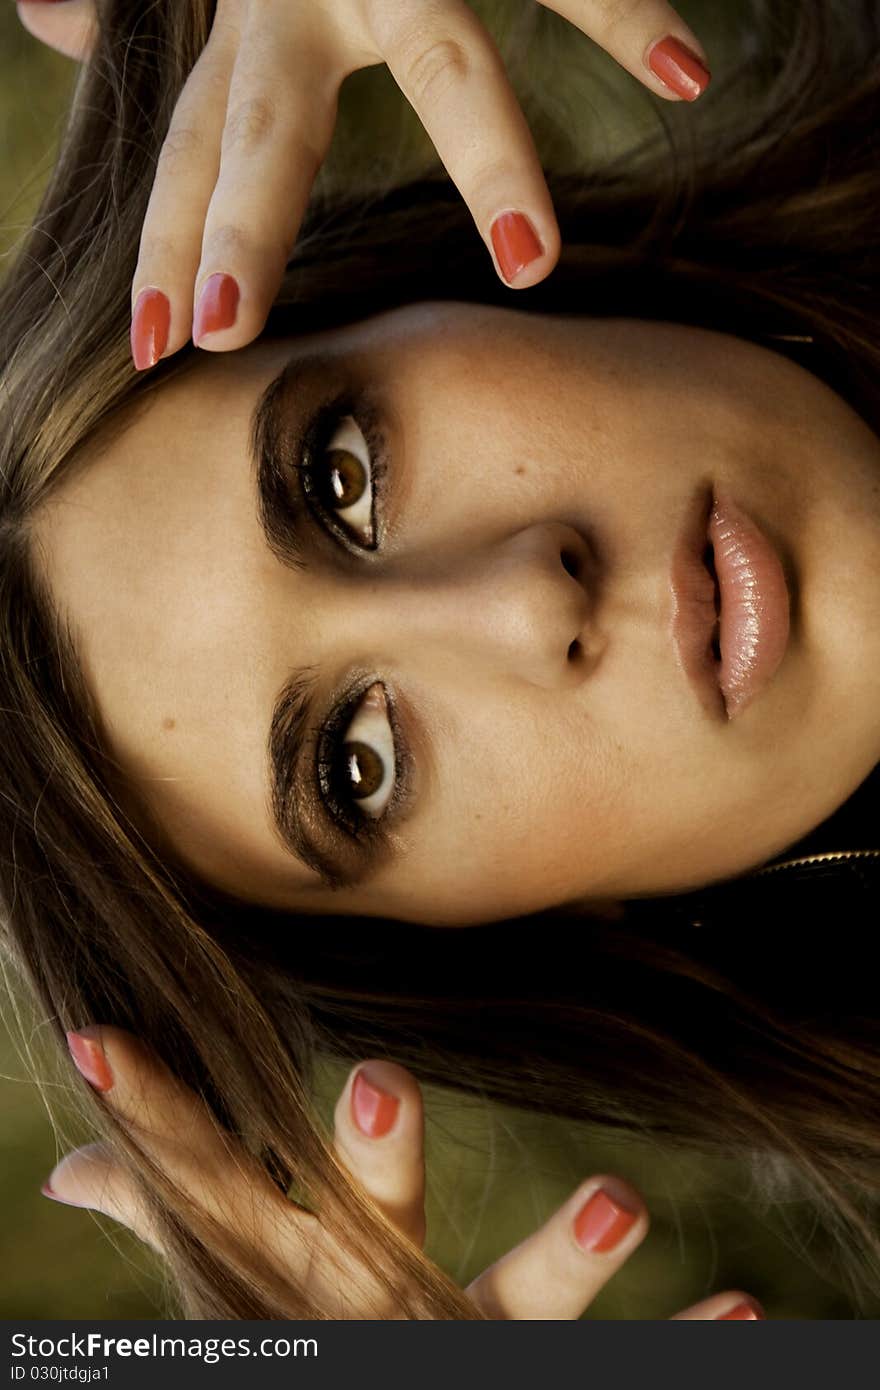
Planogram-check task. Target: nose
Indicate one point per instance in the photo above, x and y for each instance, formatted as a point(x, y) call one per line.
point(521, 606)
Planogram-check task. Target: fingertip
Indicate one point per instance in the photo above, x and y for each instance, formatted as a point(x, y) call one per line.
point(48, 1191)
point(608, 1212)
point(525, 250)
point(680, 67)
point(379, 1098)
point(741, 1308)
point(374, 1109)
point(86, 1049)
point(70, 1180)
point(150, 328)
point(216, 308)
point(71, 29)
point(105, 1054)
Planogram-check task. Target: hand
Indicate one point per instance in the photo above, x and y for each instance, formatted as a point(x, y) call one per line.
point(553, 1274)
point(255, 118)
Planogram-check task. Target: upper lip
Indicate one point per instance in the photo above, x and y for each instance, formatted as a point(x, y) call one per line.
point(745, 614)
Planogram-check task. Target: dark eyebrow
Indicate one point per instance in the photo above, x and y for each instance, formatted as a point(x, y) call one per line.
point(277, 432)
point(276, 439)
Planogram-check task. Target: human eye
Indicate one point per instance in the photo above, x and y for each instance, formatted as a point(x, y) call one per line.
point(340, 470)
point(358, 760)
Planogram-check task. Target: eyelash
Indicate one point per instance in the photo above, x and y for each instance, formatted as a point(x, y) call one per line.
point(320, 431)
point(342, 810)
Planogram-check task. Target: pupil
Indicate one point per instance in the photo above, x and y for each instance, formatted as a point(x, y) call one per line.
point(365, 770)
point(346, 479)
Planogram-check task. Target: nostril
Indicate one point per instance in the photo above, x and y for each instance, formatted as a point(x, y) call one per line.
point(570, 563)
point(575, 650)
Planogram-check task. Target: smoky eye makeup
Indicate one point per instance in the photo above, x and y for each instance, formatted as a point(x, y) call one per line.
point(362, 761)
point(342, 471)
point(351, 771)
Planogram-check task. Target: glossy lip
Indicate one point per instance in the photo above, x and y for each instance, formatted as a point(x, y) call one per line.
point(753, 619)
point(694, 617)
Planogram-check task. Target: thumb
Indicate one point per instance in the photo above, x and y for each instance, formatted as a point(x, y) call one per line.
point(91, 1177)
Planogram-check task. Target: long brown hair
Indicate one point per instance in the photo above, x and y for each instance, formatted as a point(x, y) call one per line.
point(716, 1020)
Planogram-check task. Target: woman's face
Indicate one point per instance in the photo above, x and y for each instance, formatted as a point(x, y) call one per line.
point(459, 620)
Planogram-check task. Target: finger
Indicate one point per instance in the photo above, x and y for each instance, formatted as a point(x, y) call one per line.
point(723, 1307)
point(452, 74)
point(279, 124)
point(90, 1177)
point(176, 1130)
point(380, 1138)
point(178, 1133)
point(71, 29)
point(153, 1102)
point(647, 38)
point(557, 1272)
point(171, 237)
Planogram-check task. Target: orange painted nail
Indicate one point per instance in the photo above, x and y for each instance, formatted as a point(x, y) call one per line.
point(602, 1222)
point(679, 69)
point(90, 1059)
point(515, 243)
point(150, 325)
point(217, 306)
point(373, 1110)
point(743, 1312)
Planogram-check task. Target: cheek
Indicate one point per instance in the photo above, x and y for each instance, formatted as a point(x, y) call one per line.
point(518, 819)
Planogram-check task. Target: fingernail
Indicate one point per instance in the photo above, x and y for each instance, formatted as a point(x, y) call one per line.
point(679, 69)
point(150, 324)
point(373, 1110)
point(515, 243)
point(744, 1312)
point(602, 1223)
point(49, 1191)
point(217, 306)
point(90, 1060)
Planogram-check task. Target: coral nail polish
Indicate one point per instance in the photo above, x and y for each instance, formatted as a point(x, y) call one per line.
point(679, 69)
point(217, 306)
point(515, 243)
point(373, 1110)
point(751, 1312)
point(602, 1222)
point(150, 325)
point(90, 1060)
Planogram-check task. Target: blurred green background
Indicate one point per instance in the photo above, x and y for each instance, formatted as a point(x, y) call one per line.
point(493, 1174)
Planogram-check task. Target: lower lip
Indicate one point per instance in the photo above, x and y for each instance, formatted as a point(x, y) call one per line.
point(754, 605)
point(754, 622)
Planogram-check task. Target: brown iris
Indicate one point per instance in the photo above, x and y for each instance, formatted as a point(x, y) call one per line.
point(364, 769)
point(343, 481)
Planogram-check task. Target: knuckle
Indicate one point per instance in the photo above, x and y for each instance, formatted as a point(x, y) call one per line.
point(230, 246)
point(249, 124)
point(182, 145)
point(227, 243)
point(157, 251)
point(489, 177)
point(616, 15)
point(432, 70)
